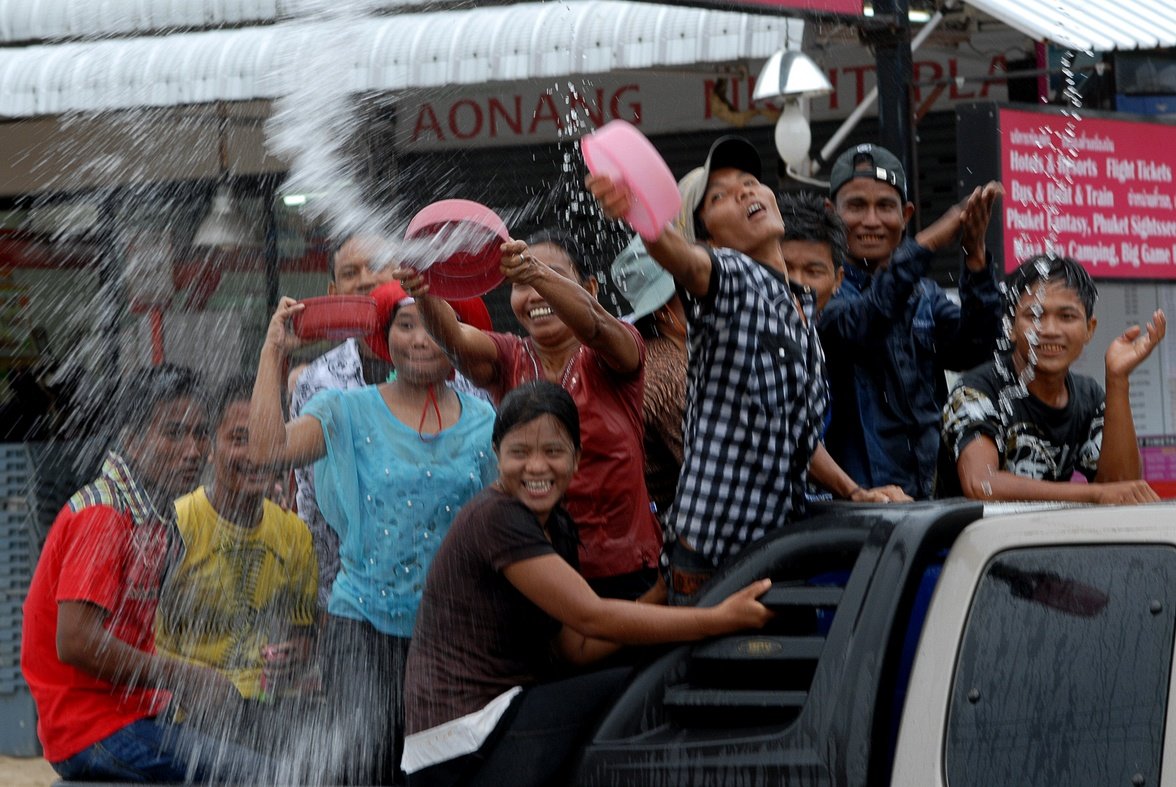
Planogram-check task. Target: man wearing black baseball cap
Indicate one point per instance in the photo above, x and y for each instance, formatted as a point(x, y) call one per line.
point(890, 331)
point(756, 391)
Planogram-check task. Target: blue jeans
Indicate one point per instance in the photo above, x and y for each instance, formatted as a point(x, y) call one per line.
point(151, 751)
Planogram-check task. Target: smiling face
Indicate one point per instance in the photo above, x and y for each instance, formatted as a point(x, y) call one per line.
point(875, 217)
point(739, 212)
point(233, 473)
point(417, 358)
point(810, 263)
point(536, 462)
point(1050, 329)
point(532, 312)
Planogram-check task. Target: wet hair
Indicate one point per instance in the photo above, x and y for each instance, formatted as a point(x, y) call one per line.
point(1050, 268)
point(337, 245)
point(333, 253)
point(809, 217)
point(700, 233)
point(532, 400)
point(141, 391)
point(565, 241)
point(238, 388)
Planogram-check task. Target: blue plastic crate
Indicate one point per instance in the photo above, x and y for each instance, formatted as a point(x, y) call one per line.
point(13, 584)
point(17, 545)
point(18, 733)
point(18, 556)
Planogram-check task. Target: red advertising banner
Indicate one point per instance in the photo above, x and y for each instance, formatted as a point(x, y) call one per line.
point(1101, 191)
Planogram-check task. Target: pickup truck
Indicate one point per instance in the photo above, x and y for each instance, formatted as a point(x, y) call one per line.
point(923, 644)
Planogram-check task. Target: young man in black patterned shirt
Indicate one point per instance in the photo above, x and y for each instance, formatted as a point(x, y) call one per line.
point(756, 392)
point(1021, 426)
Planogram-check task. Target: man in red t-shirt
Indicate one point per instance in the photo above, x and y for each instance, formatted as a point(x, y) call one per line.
point(88, 645)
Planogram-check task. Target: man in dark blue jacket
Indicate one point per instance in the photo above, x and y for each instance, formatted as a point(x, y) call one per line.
point(890, 331)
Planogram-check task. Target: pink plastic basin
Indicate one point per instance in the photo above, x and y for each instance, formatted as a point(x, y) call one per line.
point(621, 152)
point(465, 238)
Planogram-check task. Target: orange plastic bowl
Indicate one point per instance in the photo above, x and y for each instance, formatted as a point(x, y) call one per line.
point(335, 317)
point(462, 253)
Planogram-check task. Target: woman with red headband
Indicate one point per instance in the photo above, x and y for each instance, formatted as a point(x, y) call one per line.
point(393, 464)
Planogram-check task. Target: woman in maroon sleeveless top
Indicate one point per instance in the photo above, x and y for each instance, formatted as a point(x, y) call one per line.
point(574, 342)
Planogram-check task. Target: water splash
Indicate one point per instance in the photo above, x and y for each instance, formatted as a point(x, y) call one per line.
point(1063, 151)
point(134, 230)
point(317, 128)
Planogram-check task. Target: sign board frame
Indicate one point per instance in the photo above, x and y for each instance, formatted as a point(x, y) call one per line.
point(1087, 198)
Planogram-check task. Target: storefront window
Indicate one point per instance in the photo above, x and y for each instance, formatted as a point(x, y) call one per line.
point(109, 279)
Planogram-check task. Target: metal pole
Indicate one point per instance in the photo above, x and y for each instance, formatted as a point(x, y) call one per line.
point(892, 54)
point(269, 190)
point(850, 123)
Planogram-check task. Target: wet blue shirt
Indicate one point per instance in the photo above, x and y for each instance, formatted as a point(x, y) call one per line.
point(887, 339)
point(391, 496)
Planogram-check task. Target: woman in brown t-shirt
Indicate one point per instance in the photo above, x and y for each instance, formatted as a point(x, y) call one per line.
point(504, 609)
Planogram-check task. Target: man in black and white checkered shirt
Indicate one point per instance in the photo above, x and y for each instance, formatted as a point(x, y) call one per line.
point(756, 392)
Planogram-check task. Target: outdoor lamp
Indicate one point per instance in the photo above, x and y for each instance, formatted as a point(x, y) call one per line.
point(791, 75)
point(224, 226)
point(793, 135)
point(794, 77)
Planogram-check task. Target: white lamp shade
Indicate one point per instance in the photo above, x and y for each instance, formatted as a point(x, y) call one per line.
point(793, 135)
point(791, 74)
point(224, 226)
point(147, 268)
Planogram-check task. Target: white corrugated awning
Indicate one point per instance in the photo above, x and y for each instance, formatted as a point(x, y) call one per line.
point(385, 53)
point(41, 20)
point(1089, 25)
point(51, 20)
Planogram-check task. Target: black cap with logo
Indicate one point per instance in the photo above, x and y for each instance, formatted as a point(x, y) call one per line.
point(728, 152)
point(868, 161)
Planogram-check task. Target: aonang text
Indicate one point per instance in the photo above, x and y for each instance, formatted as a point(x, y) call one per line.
point(495, 117)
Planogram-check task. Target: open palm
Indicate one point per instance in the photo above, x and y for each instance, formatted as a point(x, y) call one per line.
point(1134, 345)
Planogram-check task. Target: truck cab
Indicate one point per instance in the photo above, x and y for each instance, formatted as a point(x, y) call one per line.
point(925, 644)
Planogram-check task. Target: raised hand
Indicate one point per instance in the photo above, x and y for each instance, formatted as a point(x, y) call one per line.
point(974, 219)
point(940, 233)
point(612, 197)
point(282, 496)
point(412, 281)
point(279, 334)
point(1134, 345)
point(518, 265)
